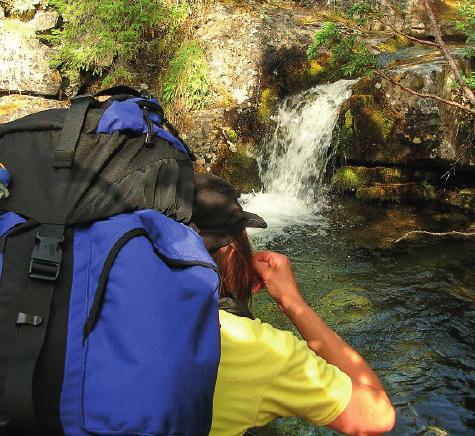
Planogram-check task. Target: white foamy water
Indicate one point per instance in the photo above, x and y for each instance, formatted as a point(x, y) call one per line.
point(296, 155)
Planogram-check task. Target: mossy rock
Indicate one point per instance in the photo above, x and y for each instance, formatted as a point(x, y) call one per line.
point(351, 178)
point(397, 192)
point(307, 72)
point(364, 86)
point(463, 198)
point(237, 168)
point(370, 121)
point(345, 306)
point(267, 104)
point(394, 43)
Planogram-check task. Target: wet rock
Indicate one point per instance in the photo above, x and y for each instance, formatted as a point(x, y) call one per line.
point(202, 131)
point(461, 198)
point(398, 192)
point(24, 60)
point(256, 53)
point(345, 306)
point(238, 168)
point(17, 106)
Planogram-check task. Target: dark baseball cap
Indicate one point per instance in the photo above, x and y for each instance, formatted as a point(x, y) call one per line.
point(217, 213)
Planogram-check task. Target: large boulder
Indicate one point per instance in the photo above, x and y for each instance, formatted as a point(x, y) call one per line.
point(24, 63)
point(384, 124)
point(239, 38)
point(16, 106)
point(256, 53)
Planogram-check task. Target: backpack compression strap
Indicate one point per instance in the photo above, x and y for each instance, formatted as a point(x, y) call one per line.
point(64, 154)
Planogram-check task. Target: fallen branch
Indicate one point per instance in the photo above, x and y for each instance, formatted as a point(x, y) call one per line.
point(424, 95)
point(455, 235)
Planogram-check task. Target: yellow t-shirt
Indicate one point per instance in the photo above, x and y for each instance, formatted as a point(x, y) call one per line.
point(265, 373)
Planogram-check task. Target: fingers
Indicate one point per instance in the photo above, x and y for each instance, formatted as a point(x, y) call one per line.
point(257, 284)
point(262, 256)
point(270, 259)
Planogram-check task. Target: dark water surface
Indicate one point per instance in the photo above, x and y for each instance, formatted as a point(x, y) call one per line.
point(408, 308)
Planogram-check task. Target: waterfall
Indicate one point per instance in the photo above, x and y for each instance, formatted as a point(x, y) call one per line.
point(295, 156)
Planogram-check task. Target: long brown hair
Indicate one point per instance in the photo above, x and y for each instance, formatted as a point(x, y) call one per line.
point(235, 265)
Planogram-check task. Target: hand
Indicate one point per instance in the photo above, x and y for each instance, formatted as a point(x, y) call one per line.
point(274, 271)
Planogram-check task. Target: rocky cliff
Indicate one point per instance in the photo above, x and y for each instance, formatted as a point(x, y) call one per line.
point(256, 55)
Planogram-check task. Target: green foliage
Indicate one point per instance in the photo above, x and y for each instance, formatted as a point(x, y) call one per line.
point(186, 79)
point(96, 32)
point(360, 10)
point(326, 36)
point(350, 56)
point(466, 24)
point(470, 80)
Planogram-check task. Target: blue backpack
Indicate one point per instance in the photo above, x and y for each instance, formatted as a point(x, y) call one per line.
point(108, 297)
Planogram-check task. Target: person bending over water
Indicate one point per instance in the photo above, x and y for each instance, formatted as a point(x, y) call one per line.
point(265, 372)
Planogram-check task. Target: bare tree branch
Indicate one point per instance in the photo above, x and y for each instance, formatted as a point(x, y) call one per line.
point(412, 38)
point(442, 47)
point(424, 95)
point(456, 235)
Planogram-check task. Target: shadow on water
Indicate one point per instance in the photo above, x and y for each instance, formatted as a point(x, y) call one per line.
point(408, 308)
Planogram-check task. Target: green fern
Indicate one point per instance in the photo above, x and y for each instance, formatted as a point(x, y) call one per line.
point(97, 32)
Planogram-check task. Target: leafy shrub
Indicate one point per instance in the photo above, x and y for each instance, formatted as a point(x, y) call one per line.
point(466, 24)
point(362, 10)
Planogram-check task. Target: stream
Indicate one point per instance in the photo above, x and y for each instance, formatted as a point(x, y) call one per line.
point(408, 308)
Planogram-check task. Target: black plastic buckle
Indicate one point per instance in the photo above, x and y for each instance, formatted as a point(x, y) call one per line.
point(45, 260)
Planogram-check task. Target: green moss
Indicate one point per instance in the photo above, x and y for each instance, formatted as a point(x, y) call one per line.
point(465, 199)
point(377, 121)
point(364, 86)
point(347, 179)
point(267, 104)
point(345, 306)
point(348, 119)
point(239, 169)
point(446, 10)
point(17, 27)
point(305, 72)
point(417, 82)
point(396, 192)
point(394, 43)
point(232, 135)
point(351, 178)
point(429, 191)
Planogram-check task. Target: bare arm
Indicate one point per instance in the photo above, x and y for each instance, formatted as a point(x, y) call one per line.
point(369, 410)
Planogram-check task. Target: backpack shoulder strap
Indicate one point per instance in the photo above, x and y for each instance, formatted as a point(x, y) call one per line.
point(30, 291)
